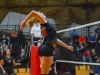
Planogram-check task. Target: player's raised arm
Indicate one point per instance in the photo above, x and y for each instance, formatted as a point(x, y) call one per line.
point(34, 16)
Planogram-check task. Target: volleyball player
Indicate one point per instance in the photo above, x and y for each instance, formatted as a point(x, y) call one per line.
point(7, 64)
point(50, 40)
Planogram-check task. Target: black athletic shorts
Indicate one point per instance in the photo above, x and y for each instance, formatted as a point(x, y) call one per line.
point(46, 50)
point(9, 71)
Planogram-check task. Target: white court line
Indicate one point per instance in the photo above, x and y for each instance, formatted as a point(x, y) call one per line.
point(74, 62)
point(81, 26)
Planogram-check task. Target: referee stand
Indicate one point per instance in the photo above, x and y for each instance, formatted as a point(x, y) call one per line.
point(34, 57)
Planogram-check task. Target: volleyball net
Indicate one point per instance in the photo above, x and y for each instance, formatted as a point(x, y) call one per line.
point(76, 68)
point(81, 26)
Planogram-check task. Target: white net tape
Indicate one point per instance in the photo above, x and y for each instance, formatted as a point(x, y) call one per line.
point(85, 25)
point(74, 62)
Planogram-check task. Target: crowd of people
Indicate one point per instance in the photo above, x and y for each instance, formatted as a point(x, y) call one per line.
point(87, 46)
point(10, 54)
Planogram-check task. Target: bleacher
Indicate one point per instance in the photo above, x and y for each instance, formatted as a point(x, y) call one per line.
point(22, 71)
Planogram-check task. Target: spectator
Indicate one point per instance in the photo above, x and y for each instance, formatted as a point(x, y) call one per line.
point(13, 50)
point(82, 39)
point(13, 36)
point(2, 54)
point(91, 40)
point(94, 55)
point(21, 57)
point(0, 46)
point(97, 31)
point(80, 47)
point(36, 32)
point(74, 35)
point(87, 56)
point(4, 40)
point(74, 47)
point(4, 46)
point(20, 39)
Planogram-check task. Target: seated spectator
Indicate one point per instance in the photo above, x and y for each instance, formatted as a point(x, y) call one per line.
point(80, 47)
point(2, 54)
point(70, 44)
point(74, 35)
point(13, 36)
point(13, 50)
point(94, 55)
point(91, 40)
point(4, 40)
point(82, 39)
point(4, 46)
point(74, 47)
point(87, 56)
point(97, 31)
point(21, 57)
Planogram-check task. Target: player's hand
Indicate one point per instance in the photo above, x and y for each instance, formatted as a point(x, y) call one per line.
point(55, 72)
point(70, 48)
point(4, 72)
point(19, 64)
